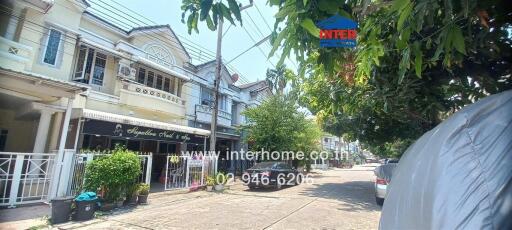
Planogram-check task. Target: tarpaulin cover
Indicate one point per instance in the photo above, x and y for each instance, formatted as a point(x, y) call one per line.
point(385, 171)
point(459, 174)
point(86, 196)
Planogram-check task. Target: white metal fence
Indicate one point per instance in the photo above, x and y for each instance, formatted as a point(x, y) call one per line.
point(80, 160)
point(25, 177)
point(188, 171)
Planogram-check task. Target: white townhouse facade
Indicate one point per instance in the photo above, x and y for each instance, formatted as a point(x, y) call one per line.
point(233, 100)
point(71, 80)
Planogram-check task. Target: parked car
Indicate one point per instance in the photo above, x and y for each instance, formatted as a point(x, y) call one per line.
point(383, 175)
point(271, 174)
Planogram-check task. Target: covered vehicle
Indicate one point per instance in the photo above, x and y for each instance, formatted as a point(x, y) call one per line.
point(459, 174)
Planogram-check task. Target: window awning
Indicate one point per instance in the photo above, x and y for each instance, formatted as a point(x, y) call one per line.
point(111, 117)
point(164, 69)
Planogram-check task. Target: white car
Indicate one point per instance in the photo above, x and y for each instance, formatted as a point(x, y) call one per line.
point(383, 175)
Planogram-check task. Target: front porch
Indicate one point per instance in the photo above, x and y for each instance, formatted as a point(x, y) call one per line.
point(34, 130)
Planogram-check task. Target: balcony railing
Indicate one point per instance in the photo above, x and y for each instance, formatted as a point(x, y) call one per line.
point(208, 109)
point(151, 92)
point(14, 55)
point(204, 114)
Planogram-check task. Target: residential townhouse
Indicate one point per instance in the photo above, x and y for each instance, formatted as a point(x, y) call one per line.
point(233, 100)
point(71, 80)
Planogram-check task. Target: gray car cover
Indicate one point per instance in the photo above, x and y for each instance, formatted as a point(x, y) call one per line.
point(459, 174)
point(385, 171)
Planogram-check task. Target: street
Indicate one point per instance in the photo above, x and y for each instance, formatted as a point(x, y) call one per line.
point(337, 199)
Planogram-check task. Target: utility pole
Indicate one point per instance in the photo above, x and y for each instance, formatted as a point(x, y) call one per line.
point(216, 83)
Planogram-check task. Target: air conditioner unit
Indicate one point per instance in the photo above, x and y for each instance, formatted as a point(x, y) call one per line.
point(126, 71)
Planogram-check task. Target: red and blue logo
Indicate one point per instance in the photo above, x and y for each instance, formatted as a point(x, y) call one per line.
point(338, 31)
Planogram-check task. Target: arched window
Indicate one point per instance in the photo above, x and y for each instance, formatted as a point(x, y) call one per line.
point(160, 55)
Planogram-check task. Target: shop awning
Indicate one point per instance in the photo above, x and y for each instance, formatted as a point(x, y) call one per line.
point(111, 117)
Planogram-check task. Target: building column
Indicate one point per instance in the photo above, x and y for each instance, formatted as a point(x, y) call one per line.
point(42, 131)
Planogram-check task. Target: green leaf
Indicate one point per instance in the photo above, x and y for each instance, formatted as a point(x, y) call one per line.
point(310, 26)
point(399, 4)
point(235, 9)
point(206, 5)
point(458, 39)
point(278, 40)
point(226, 13)
point(403, 16)
point(209, 23)
point(418, 58)
point(215, 15)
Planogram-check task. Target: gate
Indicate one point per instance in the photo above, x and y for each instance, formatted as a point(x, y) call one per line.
point(188, 171)
point(80, 161)
point(25, 177)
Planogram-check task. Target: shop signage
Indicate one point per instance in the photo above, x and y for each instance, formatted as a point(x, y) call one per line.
point(338, 31)
point(112, 129)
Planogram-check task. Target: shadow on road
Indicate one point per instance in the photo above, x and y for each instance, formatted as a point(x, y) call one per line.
point(356, 195)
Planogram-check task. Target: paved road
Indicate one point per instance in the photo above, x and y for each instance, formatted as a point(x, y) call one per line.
point(337, 199)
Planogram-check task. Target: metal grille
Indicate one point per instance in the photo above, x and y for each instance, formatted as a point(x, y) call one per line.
point(188, 171)
point(25, 177)
point(80, 161)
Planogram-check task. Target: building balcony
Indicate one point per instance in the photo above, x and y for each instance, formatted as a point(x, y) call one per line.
point(204, 114)
point(141, 96)
point(15, 56)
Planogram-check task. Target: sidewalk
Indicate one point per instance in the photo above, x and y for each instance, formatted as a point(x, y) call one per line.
point(24, 217)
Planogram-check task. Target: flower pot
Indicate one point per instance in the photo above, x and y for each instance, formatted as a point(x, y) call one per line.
point(131, 200)
point(119, 203)
point(142, 199)
point(107, 206)
point(219, 187)
point(209, 188)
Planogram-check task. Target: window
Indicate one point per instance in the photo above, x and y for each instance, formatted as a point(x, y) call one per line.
point(206, 97)
point(52, 47)
point(90, 66)
point(159, 82)
point(222, 102)
point(99, 69)
point(156, 80)
point(141, 78)
point(150, 78)
point(167, 82)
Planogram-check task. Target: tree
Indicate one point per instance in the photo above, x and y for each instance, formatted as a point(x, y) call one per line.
point(416, 63)
point(277, 125)
point(278, 78)
point(212, 13)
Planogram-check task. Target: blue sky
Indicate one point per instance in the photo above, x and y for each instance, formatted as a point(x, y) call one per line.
point(251, 65)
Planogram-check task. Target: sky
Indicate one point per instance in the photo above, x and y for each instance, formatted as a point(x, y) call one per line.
point(251, 66)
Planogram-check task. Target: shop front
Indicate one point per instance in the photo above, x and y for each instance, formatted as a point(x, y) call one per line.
point(102, 131)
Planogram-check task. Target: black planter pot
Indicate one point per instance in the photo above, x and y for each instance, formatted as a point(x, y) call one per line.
point(132, 200)
point(107, 206)
point(142, 199)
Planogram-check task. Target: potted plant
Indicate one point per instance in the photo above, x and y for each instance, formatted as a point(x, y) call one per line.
point(111, 174)
point(131, 194)
point(210, 182)
point(220, 181)
point(143, 193)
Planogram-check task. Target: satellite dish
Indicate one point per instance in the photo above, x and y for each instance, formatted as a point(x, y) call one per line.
point(234, 77)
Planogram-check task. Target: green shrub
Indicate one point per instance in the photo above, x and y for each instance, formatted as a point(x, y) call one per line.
point(143, 189)
point(210, 181)
point(113, 174)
